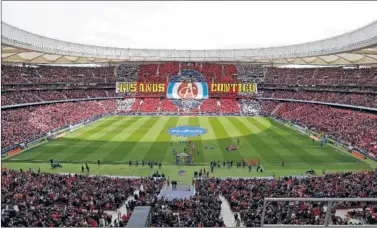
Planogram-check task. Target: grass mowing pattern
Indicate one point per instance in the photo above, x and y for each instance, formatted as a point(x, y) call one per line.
point(121, 139)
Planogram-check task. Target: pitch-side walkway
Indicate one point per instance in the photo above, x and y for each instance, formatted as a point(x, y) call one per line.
point(227, 214)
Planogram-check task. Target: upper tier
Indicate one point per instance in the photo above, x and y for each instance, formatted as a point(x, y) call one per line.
point(212, 72)
point(39, 83)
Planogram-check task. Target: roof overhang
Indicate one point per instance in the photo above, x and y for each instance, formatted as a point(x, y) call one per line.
point(358, 47)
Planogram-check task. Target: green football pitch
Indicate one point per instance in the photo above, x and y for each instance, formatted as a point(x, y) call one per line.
point(116, 140)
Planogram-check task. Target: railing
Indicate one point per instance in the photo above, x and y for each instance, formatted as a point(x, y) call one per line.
point(58, 101)
point(330, 205)
point(257, 98)
point(322, 103)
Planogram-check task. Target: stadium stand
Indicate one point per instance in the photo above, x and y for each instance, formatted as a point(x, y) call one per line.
point(47, 92)
point(149, 105)
point(249, 107)
point(210, 105)
point(23, 97)
point(54, 74)
point(246, 196)
point(125, 105)
point(360, 99)
point(202, 210)
point(229, 106)
point(347, 126)
point(321, 76)
point(65, 204)
point(37, 120)
point(168, 106)
point(40, 199)
point(269, 80)
point(136, 105)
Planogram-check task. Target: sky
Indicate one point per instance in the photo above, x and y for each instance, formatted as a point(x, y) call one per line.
point(189, 25)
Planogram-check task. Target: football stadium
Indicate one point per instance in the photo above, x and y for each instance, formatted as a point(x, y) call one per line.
point(120, 136)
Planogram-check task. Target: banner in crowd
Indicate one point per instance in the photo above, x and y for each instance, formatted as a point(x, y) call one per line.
point(5, 151)
point(14, 151)
point(184, 90)
point(187, 90)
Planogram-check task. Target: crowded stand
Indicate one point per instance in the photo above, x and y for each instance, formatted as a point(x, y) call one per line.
point(149, 105)
point(42, 199)
point(321, 76)
point(355, 128)
point(127, 73)
point(23, 97)
point(125, 105)
point(112, 93)
point(37, 120)
point(250, 73)
point(211, 71)
point(15, 74)
point(161, 73)
point(358, 99)
point(189, 105)
point(168, 69)
point(210, 105)
point(247, 196)
point(51, 74)
point(229, 106)
point(49, 96)
point(269, 107)
point(249, 107)
point(54, 74)
point(201, 210)
point(168, 106)
point(136, 105)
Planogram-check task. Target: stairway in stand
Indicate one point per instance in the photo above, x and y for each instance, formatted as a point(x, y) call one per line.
point(276, 109)
point(227, 214)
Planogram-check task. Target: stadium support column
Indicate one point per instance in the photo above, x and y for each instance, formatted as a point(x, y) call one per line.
point(328, 213)
point(263, 212)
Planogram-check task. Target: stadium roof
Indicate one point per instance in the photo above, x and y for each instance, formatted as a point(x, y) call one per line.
point(358, 47)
